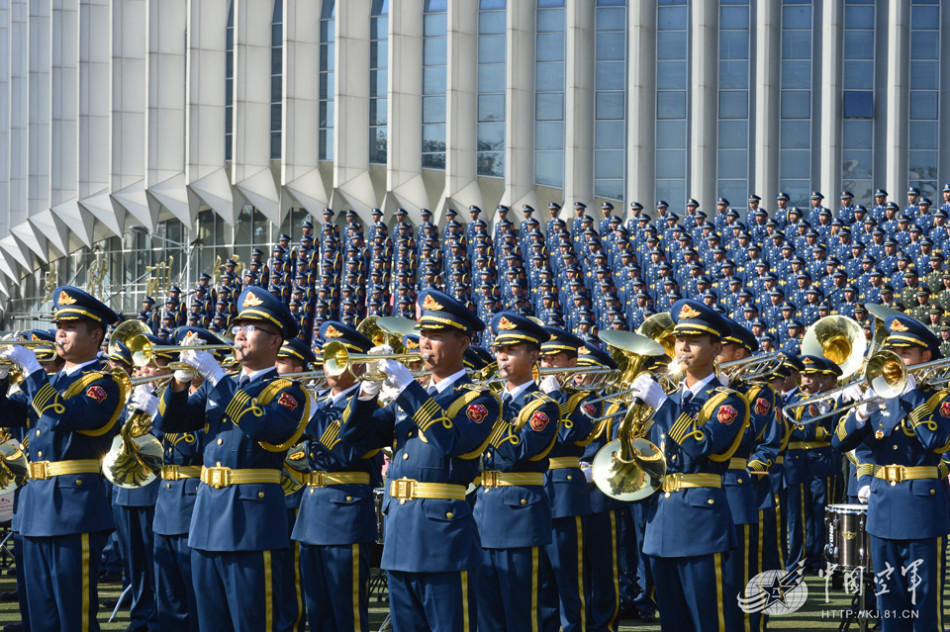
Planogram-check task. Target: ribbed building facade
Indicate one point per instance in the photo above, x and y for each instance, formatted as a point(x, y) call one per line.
point(132, 131)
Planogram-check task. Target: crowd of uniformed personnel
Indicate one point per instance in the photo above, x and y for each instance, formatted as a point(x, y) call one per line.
point(488, 515)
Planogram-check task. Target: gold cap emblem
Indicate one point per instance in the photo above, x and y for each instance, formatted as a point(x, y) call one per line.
point(332, 332)
point(897, 325)
point(505, 324)
point(251, 300)
point(688, 311)
point(431, 304)
point(66, 299)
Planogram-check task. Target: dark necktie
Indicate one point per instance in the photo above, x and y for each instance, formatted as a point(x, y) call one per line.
point(432, 390)
point(59, 377)
point(687, 398)
point(243, 380)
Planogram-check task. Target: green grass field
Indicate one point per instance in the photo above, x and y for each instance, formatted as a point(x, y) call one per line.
point(815, 615)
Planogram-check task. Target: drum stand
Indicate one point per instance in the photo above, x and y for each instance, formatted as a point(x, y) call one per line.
point(862, 603)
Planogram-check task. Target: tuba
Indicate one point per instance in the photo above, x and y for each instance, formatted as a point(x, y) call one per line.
point(135, 458)
point(14, 468)
point(839, 339)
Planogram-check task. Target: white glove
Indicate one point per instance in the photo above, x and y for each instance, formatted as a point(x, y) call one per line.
point(22, 357)
point(864, 410)
point(550, 384)
point(380, 350)
point(369, 390)
point(588, 471)
point(184, 375)
point(4, 372)
point(397, 373)
point(646, 389)
point(204, 364)
point(864, 492)
point(143, 399)
point(852, 394)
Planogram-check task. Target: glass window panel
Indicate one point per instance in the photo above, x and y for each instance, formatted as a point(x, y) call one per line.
point(377, 111)
point(610, 75)
point(671, 189)
point(671, 105)
point(611, 45)
point(671, 18)
point(433, 24)
point(491, 22)
point(922, 164)
point(734, 18)
point(378, 54)
point(433, 135)
point(608, 164)
point(795, 163)
point(379, 28)
point(796, 44)
point(550, 21)
point(549, 167)
point(611, 189)
point(549, 106)
point(796, 74)
point(491, 136)
point(550, 47)
point(923, 105)
point(858, 44)
point(433, 80)
point(796, 104)
point(733, 134)
point(924, 75)
point(491, 77)
point(610, 105)
point(857, 134)
point(614, 17)
point(491, 4)
point(379, 87)
point(433, 109)
point(796, 17)
point(491, 49)
point(433, 160)
point(924, 17)
point(491, 107)
point(733, 45)
point(549, 135)
point(733, 74)
point(275, 82)
point(859, 75)
point(859, 17)
point(924, 45)
point(670, 75)
point(491, 163)
point(795, 133)
point(670, 163)
point(856, 163)
point(670, 134)
point(733, 104)
point(733, 163)
point(671, 45)
point(733, 189)
point(923, 134)
point(550, 3)
point(609, 135)
point(550, 76)
point(433, 50)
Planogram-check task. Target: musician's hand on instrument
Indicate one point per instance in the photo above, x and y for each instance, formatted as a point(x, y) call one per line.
point(22, 357)
point(646, 389)
point(864, 492)
point(369, 390)
point(397, 373)
point(588, 471)
point(143, 399)
point(852, 393)
point(184, 375)
point(4, 372)
point(380, 350)
point(204, 364)
point(550, 384)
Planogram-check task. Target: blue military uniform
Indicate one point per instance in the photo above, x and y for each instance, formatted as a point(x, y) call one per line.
point(336, 526)
point(512, 511)
point(65, 515)
point(239, 533)
point(563, 587)
point(689, 529)
point(908, 508)
point(437, 434)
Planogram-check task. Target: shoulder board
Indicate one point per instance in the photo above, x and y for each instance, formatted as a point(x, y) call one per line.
point(94, 376)
point(77, 387)
point(568, 407)
point(272, 389)
point(266, 396)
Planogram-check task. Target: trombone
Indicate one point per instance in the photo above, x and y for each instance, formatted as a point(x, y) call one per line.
point(337, 360)
point(753, 368)
point(143, 351)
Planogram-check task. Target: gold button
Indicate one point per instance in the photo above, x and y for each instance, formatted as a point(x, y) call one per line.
point(402, 501)
point(524, 501)
point(313, 455)
point(220, 441)
point(488, 454)
point(933, 491)
point(312, 490)
point(570, 478)
point(894, 447)
point(79, 481)
point(349, 499)
point(740, 481)
point(449, 515)
point(405, 456)
point(260, 494)
point(711, 501)
point(168, 485)
point(673, 458)
point(39, 453)
point(666, 494)
point(37, 433)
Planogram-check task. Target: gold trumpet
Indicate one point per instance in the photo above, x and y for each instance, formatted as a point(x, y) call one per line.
point(143, 351)
point(753, 368)
point(337, 360)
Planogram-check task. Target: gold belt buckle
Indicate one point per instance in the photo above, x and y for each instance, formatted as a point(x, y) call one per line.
point(316, 479)
point(39, 470)
point(220, 477)
point(402, 488)
point(671, 483)
point(893, 473)
point(490, 478)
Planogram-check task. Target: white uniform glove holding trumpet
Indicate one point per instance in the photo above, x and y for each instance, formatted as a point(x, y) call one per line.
point(204, 364)
point(645, 388)
point(21, 356)
point(144, 399)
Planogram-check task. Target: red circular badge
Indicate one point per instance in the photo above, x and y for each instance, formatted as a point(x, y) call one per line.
point(726, 415)
point(761, 406)
point(539, 421)
point(476, 413)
